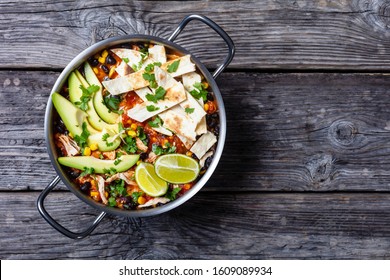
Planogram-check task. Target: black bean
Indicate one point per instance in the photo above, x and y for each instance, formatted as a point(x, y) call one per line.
point(216, 130)
point(60, 127)
point(208, 162)
point(110, 60)
point(105, 69)
point(93, 61)
point(143, 156)
point(74, 173)
point(211, 121)
point(85, 187)
point(210, 96)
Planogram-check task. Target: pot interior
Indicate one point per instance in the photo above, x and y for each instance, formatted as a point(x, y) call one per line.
point(51, 116)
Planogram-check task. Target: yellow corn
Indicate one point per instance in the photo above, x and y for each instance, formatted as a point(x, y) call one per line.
point(93, 147)
point(165, 141)
point(132, 133)
point(87, 151)
point(189, 154)
point(95, 70)
point(206, 107)
point(205, 85)
point(141, 200)
point(93, 184)
point(94, 193)
point(102, 58)
point(70, 134)
point(133, 126)
point(187, 186)
point(112, 71)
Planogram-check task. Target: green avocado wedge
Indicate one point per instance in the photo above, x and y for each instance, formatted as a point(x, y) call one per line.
point(109, 144)
point(100, 107)
point(100, 166)
point(76, 80)
point(72, 116)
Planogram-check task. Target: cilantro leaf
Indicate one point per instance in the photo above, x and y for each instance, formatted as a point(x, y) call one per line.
point(112, 103)
point(157, 122)
point(150, 66)
point(173, 66)
point(159, 94)
point(125, 59)
point(87, 170)
point(189, 110)
point(86, 95)
point(130, 145)
point(158, 150)
point(152, 108)
point(117, 161)
point(136, 195)
point(199, 91)
point(105, 139)
point(171, 195)
point(81, 139)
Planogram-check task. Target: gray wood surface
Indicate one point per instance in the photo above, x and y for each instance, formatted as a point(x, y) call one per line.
point(305, 172)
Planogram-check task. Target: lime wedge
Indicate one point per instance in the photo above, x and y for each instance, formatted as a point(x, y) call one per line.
point(177, 168)
point(148, 181)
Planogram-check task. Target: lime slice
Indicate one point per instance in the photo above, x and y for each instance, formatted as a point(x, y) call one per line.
point(148, 181)
point(177, 168)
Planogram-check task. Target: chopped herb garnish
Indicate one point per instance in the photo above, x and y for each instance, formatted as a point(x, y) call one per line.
point(125, 59)
point(112, 201)
point(130, 145)
point(171, 195)
point(117, 161)
point(82, 139)
point(158, 95)
point(120, 127)
point(111, 171)
point(112, 103)
point(173, 66)
point(157, 122)
point(151, 78)
point(105, 139)
point(150, 67)
point(199, 91)
point(158, 150)
point(86, 95)
point(87, 170)
point(189, 110)
point(141, 135)
point(136, 195)
point(152, 108)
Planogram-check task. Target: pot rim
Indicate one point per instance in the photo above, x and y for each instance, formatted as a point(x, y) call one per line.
point(78, 61)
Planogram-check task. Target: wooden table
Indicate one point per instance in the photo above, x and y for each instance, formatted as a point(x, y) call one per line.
point(305, 172)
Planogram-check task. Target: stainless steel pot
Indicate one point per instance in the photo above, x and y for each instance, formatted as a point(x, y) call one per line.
point(81, 58)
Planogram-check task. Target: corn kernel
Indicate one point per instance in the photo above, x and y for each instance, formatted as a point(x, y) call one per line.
point(129, 121)
point(93, 184)
point(141, 200)
point(94, 193)
point(70, 134)
point(205, 85)
point(93, 147)
point(206, 107)
point(189, 154)
point(134, 126)
point(87, 151)
point(102, 58)
point(95, 70)
point(132, 133)
point(164, 142)
point(138, 162)
point(112, 71)
point(187, 186)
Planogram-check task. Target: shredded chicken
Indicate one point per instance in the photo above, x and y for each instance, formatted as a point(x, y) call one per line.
point(154, 201)
point(100, 181)
point(140, 145)
point(151, 157)
point(127, 176)
point(109, 155)
point(69, 144)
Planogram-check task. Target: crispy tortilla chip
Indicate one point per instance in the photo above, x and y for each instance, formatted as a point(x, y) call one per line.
point(203, 144)
point(157, 53)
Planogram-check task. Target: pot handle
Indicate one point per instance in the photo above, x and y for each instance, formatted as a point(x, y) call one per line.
point(217, 29)
point(55, 224)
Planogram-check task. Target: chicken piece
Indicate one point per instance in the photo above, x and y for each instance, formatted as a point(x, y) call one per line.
point(109, 155)
point(151, 157)
point(154, 201)
point(140, 145)
point(127, 176)
point(69, 145)
point(100, 181)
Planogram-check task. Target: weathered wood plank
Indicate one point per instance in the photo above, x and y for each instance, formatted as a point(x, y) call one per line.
point(280, 226)
point(268, 34)
point(294, 132)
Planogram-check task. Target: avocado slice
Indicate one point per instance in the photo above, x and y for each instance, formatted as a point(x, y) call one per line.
point(100, 107)
point(73, 118)
point(75, 80)
point(71, 115)
point(110, 144)
point(100, 166)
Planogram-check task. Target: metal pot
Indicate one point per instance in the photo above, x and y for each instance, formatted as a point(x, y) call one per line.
point(75, 63)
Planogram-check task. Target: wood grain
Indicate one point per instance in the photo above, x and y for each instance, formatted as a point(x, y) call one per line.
point(342, 35)
point(291, 132)
point(236, 226)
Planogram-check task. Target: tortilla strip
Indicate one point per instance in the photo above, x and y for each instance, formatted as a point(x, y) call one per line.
point(134, 57)
point(204, 143)
point(157, 53)
point(123, 69)
point(198, 113)
point(179, 122)
point(186, 142)
point(135, 80)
